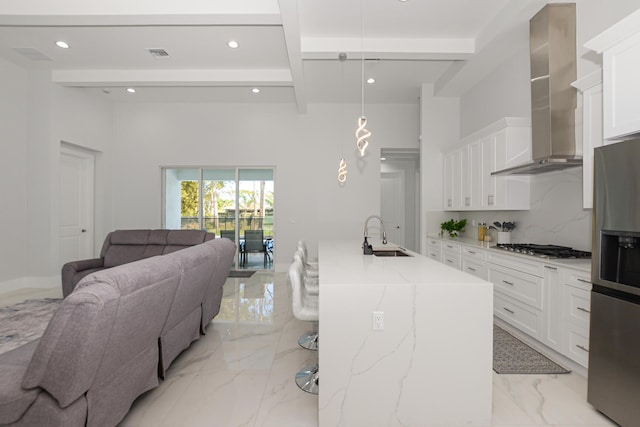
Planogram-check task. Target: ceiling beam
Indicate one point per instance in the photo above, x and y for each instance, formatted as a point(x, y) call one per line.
point(392, 49)
point(184, 78)
point(291, 28)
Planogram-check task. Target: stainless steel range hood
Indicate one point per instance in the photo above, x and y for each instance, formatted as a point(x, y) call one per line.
point(552, 44)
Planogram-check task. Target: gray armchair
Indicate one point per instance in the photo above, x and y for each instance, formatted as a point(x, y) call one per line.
point(125, 246)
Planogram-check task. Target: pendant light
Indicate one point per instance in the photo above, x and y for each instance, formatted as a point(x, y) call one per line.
point(362, 134)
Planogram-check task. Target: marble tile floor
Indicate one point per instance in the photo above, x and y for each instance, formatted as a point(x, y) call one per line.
point(241, 374)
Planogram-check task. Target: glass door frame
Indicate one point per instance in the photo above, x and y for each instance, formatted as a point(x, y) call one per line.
point(201, 187)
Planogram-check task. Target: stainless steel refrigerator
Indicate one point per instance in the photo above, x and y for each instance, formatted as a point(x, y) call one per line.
point(614, 343)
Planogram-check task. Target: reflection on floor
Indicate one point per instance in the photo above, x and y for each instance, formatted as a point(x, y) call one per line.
point(242, 374)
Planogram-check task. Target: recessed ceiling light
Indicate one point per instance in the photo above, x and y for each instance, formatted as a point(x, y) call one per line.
point(402, 1)
point(371, 80)
point(383, 158)
point(255, 90)
point(233, 44)
point(131, 90)
point(62, 44)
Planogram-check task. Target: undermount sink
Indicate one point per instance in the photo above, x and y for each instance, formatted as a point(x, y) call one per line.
point(390, 252)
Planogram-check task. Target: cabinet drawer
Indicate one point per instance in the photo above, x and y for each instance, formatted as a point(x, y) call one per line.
point(433, 242)
point(434, 253)
point(477, 268)
point(478, 254)
point(577, 306)
point(577, 340)
point(451, 247)
point(527, 319)
point(578, 279)
point(520, 286)
point(516, 262)
point(452, 259)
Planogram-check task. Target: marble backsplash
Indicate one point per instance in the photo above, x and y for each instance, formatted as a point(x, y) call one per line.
point(556, 215)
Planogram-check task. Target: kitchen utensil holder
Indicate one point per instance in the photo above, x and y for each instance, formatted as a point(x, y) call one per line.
point(504, 237)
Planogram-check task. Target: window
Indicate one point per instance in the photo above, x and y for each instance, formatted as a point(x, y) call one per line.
point(220, 200)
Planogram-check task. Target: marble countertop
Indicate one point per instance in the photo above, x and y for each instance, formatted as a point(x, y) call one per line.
point(583, 265)
point(343, 263)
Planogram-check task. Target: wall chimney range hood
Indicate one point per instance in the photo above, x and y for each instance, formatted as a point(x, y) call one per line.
point(552, 44)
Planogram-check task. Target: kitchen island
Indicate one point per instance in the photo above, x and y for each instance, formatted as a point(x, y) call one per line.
point(431, 365)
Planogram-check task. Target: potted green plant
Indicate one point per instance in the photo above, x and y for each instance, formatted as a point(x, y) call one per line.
point(453, 227)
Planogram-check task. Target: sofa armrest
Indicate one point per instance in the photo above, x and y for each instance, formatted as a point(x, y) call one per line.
point(74, 271)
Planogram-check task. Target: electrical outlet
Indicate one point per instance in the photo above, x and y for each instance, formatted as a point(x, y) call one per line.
point(378, 320)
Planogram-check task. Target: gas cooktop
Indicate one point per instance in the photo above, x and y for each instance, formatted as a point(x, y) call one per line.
point(543, 251)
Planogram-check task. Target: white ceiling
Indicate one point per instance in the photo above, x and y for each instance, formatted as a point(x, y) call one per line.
point(288, 48)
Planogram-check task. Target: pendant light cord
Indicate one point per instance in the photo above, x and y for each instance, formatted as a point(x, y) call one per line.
point(362, 52)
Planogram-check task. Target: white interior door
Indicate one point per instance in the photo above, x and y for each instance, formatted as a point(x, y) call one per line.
point(392, 205)
point(76, 204)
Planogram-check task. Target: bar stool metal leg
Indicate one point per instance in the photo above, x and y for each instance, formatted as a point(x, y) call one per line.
point(308, 379)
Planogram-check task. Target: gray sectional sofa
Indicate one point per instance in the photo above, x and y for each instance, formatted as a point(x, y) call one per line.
point(113, 338)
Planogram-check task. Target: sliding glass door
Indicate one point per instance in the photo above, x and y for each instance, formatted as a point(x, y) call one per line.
point(236, 203)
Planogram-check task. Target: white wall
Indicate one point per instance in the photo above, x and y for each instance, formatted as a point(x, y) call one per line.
point(39, 115)
point(440, 129)
point(13, 171)
point(304, 149)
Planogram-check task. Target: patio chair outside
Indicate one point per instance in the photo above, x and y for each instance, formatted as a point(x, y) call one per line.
point(254, 243)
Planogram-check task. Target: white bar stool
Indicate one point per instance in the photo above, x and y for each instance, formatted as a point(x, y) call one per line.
point(305, 307)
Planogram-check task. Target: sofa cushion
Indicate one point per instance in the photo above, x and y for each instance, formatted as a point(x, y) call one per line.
point(130, 366)
point(186, 237)
point(123, 254)
point(129, 237)
point(73, 345)
point(14, 400)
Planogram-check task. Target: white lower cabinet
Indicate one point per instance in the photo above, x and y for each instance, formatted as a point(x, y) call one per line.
point(576, 314)
point(434, 249)
point(547, 301)
point(552, 306)
point(474, 262)
point(452, 255)
point(524, 317)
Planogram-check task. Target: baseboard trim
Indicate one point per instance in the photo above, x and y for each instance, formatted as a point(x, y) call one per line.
point(39, 282)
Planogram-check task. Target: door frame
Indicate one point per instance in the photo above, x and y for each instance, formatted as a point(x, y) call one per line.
point(87, 184)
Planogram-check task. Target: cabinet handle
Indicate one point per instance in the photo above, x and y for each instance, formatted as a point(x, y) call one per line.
point(449, 261)
point(583, 309)
point(467, 201)
point(584, 281)
point(471, 252)
point(550, 267)
point(508, 283)
point(471, 268)
point(449, 203)
point(582, 348)
point(508, 311)
point(450, 247)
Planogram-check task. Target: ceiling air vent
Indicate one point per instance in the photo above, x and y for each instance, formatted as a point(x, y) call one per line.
point(32, 54)
point(159, 53)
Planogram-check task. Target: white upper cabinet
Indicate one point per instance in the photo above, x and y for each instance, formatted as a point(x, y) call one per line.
point(501, 145)
point(620, 49)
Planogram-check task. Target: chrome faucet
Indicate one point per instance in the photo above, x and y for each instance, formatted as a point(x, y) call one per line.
point(367, 248)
